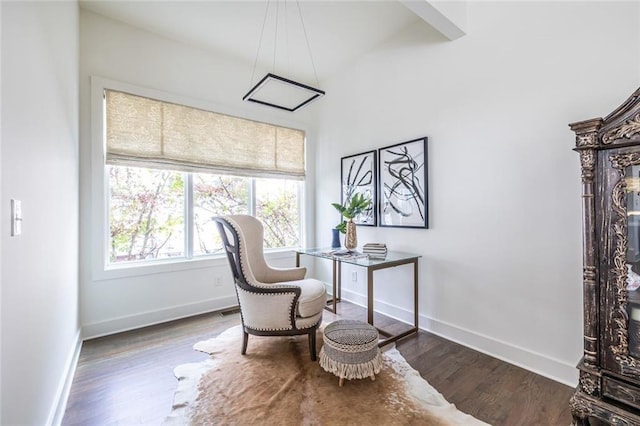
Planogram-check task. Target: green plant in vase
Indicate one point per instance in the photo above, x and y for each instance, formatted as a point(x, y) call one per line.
point(356, 205)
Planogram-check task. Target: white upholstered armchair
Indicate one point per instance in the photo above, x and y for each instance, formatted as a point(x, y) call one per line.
point(273, 301)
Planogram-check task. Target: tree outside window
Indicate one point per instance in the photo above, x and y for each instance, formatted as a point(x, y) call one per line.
point(147, 208)
point(146, 214)
point(278, 208)
point(215, 195)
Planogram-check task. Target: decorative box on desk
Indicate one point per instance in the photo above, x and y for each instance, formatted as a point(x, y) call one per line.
point(393, 258)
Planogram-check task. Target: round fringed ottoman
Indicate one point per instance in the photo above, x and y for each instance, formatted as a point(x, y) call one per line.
point(350, 350)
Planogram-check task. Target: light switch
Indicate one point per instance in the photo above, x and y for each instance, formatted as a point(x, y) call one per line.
point(16, 217)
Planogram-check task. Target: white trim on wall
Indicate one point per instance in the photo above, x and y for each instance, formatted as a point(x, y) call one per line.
point(59, 406)
point(532, 361)
point(144, 319)
point(521, 357)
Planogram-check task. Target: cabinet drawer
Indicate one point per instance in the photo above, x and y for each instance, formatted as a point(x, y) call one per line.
point(621, 391)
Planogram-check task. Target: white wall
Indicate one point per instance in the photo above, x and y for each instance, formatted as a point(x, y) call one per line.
point(39, 165)
point(501, 268)
point(117, 300)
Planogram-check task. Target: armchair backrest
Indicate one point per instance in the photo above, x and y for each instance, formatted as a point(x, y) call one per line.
point(245, 252)
point(231, 246)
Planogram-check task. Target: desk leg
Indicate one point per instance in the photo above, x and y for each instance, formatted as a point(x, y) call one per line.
point(339, 281)
point(297, 260)
point(415, 293)
point(389, 337)
point(336, 277)
point(370, 296)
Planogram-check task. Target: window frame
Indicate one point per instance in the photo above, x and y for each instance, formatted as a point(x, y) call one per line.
point(98, 242)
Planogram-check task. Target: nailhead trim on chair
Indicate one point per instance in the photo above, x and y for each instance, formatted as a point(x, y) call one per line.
point(304, 328)
point(291, 326)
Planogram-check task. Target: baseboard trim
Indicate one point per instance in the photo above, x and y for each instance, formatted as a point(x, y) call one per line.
point(59, 406)
point(541, 364)
point(538, 363)
point(144, 319)
point(392, 311)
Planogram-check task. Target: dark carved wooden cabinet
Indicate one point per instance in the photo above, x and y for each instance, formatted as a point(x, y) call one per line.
point(609, 148)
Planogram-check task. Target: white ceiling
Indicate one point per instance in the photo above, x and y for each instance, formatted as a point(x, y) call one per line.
point(338, 31)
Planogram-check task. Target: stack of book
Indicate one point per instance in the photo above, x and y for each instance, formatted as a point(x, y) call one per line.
point(375, 250)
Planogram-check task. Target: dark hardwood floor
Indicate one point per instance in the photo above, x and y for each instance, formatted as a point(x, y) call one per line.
point(127, 379)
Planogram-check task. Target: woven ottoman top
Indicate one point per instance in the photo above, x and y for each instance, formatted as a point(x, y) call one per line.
point(350, 333)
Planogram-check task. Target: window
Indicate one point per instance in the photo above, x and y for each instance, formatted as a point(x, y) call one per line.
point(146, 214)
point(170, 168)
point(150, 216)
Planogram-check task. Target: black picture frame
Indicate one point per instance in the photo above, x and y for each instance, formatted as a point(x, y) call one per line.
point(359, 175)
point(403, 185)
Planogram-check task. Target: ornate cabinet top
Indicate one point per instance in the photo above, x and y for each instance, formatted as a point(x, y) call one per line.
point(621, 127)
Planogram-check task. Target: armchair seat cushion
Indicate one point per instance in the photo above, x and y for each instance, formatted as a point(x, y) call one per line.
point(308, 322)
point(313, 297)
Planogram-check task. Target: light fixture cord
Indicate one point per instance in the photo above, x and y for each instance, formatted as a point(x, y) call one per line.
point(286, 34)
point(275, 37)
point(304, 29)
point(264, 23)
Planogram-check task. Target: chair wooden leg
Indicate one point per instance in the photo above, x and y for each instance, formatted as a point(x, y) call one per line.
point(312, 344)
point(245, 340)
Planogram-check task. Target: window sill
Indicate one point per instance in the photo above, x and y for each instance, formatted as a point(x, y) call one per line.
point(176, 265)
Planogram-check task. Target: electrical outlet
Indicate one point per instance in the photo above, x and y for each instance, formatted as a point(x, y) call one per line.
point(217, 281)
point(354, 276)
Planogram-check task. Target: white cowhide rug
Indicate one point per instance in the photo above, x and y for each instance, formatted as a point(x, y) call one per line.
point(276, 383)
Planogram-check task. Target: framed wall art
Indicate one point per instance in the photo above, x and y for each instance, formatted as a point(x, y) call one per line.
point(358, 175)
point(403, 185)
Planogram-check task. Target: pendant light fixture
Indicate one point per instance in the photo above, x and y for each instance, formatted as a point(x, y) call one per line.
point(274, 90)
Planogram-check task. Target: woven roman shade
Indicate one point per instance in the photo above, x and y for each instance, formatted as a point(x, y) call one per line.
point(146, 132)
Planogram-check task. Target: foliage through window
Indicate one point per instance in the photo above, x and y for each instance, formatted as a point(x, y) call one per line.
point(159, 214)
